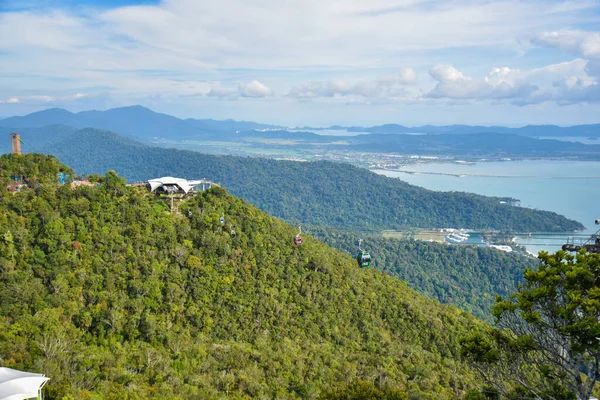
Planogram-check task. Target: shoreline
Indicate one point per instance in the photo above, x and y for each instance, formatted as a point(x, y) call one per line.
point(484, 175)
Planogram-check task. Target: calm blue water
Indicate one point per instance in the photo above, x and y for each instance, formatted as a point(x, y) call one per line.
point(570, 188)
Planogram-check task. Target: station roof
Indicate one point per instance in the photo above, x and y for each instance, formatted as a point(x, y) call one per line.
point(184, 184)
point(19, 385)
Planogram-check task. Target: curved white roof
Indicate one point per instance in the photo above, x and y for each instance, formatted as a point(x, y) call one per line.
point(184, 184)
point(19, 385)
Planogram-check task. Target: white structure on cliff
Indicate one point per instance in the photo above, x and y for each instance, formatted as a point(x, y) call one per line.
point(169, 185)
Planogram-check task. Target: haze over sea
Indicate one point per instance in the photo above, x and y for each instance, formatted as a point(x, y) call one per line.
point(570, 188)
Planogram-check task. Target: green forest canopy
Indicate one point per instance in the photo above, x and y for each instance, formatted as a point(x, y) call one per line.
point(469, 277)
point(112, 296)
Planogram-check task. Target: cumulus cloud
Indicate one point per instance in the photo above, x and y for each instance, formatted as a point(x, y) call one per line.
point(406, 76)
point(253, 89)
point(500, 83)
point(316, 89)
point(180, 48)
point(577, 89)
point(43, 99)
point(385, 86)
point(194, 34)
point(581, 43)
point(586, 44)
point(29, 99)
point(222, 92)
point(513, 85)
point(579, 79)
point(577, 66)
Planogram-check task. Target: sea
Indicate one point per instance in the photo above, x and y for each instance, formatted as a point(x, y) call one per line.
point(570, 188)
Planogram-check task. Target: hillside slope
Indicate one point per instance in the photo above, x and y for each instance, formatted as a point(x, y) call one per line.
point(468, 277)
point(112, 296)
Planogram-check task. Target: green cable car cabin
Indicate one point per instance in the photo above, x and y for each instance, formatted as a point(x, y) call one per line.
point(364, 259)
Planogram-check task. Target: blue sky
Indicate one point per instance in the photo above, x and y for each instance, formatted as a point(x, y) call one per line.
point(309, 62)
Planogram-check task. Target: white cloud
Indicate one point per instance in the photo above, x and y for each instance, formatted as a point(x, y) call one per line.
point(253, 89)
point(191, 34)
point(586, 44)
point(406, 76)
point(222, 92)
point(514, 86)
point(577, 89)
point(447, 73)
point(385, 86)
point(180, 48)
point(43, 99)
point(579, 80)
point(581, 43)
point(574, 67)
point(500, 83)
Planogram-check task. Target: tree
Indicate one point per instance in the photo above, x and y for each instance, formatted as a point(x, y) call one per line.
point(547, 341)
point(363, 390)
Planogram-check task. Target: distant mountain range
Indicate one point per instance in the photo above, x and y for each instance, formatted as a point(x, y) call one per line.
point(134, 121)
point(143, 123)
point(472, 142)
point(529, 130)
point(485, 144)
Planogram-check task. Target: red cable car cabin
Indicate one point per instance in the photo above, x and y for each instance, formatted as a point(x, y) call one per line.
point(298, 240)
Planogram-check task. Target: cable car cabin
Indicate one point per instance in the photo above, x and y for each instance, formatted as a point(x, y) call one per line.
point(364, 259)
point(298, 240)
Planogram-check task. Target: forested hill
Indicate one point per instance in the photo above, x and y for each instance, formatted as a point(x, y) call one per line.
point(468, 277)
point(112, 296)
point(318, 193)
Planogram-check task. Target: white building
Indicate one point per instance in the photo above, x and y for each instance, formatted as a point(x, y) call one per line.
point(177, 186)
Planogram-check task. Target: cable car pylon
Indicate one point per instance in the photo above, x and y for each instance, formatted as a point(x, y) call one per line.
point(591, 245)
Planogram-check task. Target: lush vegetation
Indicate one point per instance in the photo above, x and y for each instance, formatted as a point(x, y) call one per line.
point(112, 296)
point(548, 342)
point(468, 277)
point(318, 193)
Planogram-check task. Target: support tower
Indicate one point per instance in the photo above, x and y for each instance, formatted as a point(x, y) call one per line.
point(15, 141)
